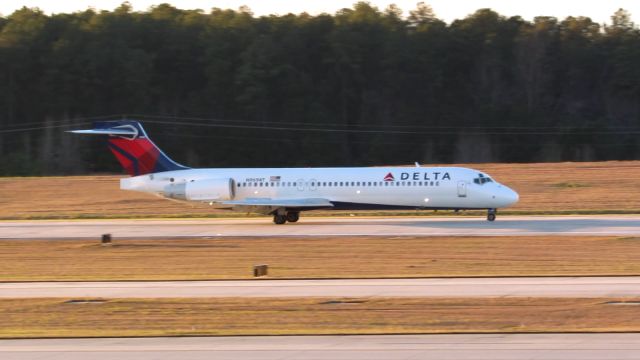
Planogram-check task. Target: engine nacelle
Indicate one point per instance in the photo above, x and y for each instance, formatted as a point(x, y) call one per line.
point(202, 190)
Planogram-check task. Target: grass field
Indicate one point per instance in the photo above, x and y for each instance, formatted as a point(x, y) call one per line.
point(597, 187)
point(267, 316)
point(337, 257)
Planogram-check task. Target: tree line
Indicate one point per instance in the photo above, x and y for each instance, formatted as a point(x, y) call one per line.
point(363, 86)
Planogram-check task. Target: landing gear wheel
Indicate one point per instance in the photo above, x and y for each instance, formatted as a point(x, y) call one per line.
point(491, 215)
point(293, 216)
point(279, 219)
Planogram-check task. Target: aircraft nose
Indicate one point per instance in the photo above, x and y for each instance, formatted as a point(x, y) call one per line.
point(510, 197)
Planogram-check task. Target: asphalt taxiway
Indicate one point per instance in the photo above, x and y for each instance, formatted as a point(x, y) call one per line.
point(575, 287)
point(376, 347)
point(628, 225)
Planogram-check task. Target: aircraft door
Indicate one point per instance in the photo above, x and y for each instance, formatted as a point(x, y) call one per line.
point(300, 184)
point(462, 189)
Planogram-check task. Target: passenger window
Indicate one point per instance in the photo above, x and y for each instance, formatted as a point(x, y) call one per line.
point(294, 184)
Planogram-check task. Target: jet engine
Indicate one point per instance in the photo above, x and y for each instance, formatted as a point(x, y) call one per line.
point(201, 190)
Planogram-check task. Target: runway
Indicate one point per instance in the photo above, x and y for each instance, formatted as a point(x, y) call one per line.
point(628, 225)
point(376, 347)
point(574, 287)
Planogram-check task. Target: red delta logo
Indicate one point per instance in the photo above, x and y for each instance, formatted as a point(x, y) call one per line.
point(389, 177)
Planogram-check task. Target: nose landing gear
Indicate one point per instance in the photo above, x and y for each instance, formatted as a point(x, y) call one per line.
point(491, 214)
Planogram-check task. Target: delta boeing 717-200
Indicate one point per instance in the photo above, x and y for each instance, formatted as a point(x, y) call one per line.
point(285, 192)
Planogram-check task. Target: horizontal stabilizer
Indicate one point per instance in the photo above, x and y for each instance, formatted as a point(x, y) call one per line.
point(115, 132)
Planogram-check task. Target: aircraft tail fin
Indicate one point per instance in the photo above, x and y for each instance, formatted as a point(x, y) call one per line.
point(130, 144)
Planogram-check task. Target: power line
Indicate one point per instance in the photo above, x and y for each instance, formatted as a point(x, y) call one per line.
point(330, 128)
point(280, 123)
point(400, 143)
point(43, 128)
point(394, 132)
point(75, 119)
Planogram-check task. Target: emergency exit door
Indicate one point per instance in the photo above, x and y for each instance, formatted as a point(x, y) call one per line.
point(462, 189)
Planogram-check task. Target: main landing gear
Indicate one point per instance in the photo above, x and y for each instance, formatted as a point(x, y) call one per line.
point(290, 216)
point(491, 214)
point(279, 219)
point(293, 216)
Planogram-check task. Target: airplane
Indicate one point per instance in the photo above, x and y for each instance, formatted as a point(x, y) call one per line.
point(285, 192)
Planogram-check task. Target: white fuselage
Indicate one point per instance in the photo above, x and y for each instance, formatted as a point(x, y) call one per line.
point(348, 188)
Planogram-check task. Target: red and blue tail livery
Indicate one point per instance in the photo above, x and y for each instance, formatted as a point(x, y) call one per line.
point(137, 154)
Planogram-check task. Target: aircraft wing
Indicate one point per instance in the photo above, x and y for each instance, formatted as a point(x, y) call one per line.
point(297, 203)
point(268, 205)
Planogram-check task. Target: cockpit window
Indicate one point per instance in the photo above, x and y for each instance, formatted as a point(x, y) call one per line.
point(481, 179)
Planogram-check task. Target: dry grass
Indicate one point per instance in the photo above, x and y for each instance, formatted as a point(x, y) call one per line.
point(334, 257)
point(234, 316)
point(554, 187)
